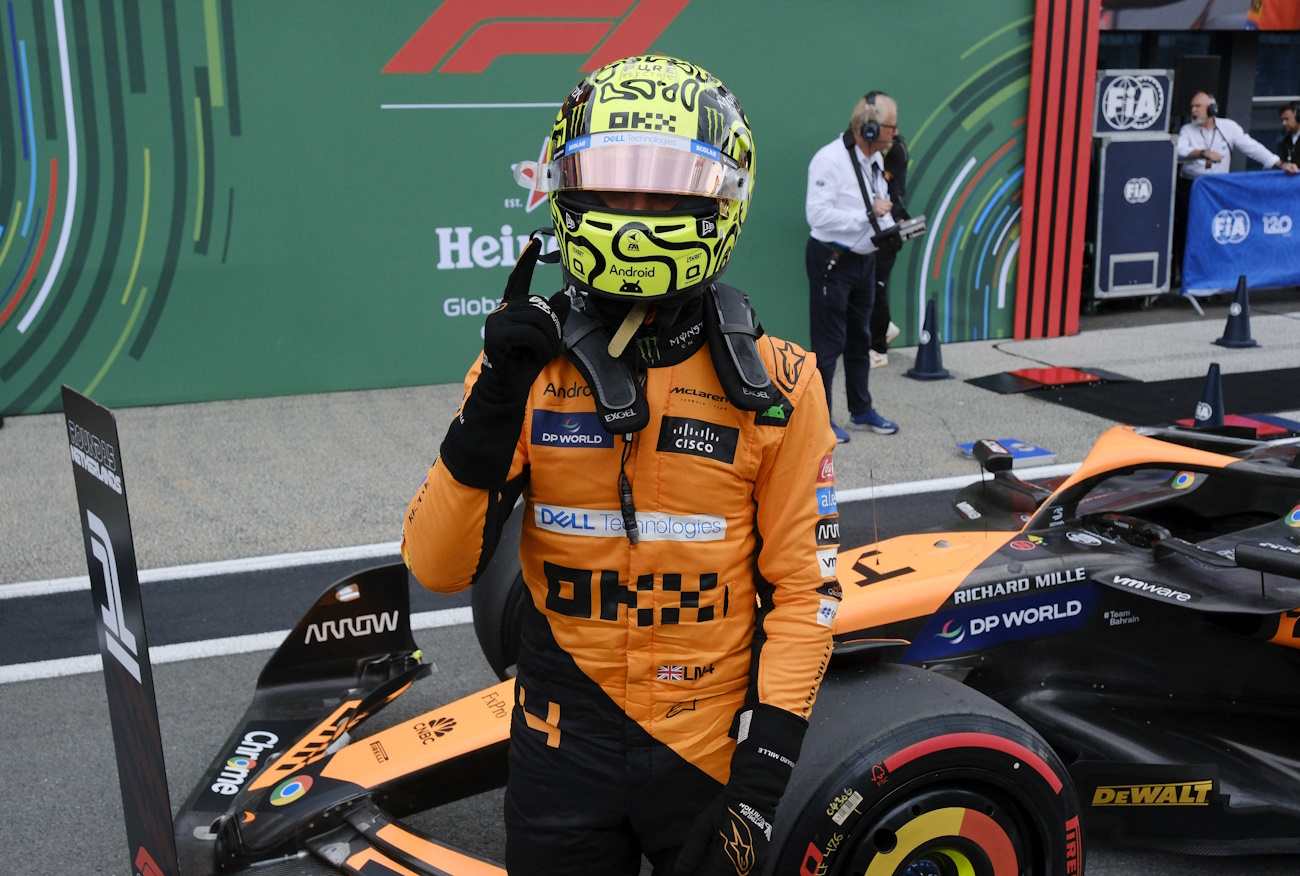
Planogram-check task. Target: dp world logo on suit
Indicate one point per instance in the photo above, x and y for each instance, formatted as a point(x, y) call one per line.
point(1231, 226)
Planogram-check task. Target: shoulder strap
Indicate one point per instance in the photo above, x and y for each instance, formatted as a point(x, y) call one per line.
point(732, 336)
point(862, 183)
point(620, 402)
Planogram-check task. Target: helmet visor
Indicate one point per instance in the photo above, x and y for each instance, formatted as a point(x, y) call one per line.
point(636, 161)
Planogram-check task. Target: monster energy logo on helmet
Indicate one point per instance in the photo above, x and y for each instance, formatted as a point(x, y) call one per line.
point(711, 125)
point(649, 348)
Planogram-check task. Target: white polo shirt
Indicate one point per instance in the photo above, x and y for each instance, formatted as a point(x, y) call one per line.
point(1224, 138)
point(834, 206)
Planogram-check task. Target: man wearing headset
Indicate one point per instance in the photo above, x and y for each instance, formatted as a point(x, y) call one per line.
point(847, 206)
point(1288, 146)
point(1205, 146)
point(679, 525)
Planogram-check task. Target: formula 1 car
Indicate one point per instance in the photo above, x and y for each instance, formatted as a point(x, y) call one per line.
point(1129, 631)
point(971, 667)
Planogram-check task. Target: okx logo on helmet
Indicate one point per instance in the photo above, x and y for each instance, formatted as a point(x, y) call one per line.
point(649, 171)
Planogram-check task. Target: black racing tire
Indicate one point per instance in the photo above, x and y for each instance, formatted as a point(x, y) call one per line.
point(497, 599)
point(907, 773)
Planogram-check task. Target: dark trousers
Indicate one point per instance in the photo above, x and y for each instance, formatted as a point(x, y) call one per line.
point(839, 319)
point(1182, 197)
point(592, 799)
point(885, 259)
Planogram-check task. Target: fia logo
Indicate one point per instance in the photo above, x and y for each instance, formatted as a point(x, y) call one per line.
point(1132, 103)
point(1230, 226)
point(1137, 190)
point(120, 640)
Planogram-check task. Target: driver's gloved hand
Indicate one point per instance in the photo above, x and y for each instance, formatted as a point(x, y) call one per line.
point(519, 338)
point(733, 835)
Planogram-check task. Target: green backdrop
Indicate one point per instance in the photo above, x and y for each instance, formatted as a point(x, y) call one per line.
point(220, 199)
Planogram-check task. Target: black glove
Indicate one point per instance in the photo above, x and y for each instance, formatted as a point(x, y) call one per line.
point(519, 338)
point(733, 835)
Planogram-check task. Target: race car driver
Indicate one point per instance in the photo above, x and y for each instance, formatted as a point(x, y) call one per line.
point(679, 529)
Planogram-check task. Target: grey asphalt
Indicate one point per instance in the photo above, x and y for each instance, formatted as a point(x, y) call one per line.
point(228, 480)
point(249, 478)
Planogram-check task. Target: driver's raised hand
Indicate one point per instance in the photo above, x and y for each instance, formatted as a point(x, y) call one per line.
point(524, 332)
point(519, 338)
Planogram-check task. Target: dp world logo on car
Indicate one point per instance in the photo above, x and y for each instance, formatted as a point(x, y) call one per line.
point(1231, 226)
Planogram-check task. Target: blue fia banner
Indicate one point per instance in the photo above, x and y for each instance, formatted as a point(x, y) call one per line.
point(1242, 224)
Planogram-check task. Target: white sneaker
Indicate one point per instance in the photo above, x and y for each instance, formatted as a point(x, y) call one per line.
point(878, 360)
point(892, 332)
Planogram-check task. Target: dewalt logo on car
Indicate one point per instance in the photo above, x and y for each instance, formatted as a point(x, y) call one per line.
point(1170, 794)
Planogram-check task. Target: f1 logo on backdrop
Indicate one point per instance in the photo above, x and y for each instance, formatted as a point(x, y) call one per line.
point(465, 36)
point(121, 641)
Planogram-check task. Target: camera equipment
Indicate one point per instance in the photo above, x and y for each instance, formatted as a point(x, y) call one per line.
point(893, 236)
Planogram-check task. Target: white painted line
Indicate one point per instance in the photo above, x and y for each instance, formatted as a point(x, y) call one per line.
point(387, 550)
point(935, 223)
point(420, 621)
point(424, 620)
point(1006, 271)
point(70, 209)
point(858, 494)
point(392, 550)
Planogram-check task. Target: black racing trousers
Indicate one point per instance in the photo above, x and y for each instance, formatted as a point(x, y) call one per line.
point(590, 791)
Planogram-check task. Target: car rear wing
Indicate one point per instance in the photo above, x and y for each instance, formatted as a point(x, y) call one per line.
point(350, 654)
point(123, 643)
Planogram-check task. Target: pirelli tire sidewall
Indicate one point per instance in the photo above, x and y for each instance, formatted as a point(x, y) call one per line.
point(922, 752)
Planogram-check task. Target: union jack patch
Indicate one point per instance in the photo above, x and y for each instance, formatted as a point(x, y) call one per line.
point(672, 673)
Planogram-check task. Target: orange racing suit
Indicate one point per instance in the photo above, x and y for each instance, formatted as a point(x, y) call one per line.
point(729, 594)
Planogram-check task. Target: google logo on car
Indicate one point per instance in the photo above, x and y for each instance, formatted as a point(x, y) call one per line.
point(289, 790)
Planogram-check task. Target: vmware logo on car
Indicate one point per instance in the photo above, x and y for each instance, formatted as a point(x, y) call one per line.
point(971, 628)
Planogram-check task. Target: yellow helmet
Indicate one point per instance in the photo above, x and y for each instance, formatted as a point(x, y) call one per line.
point(657, 125)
